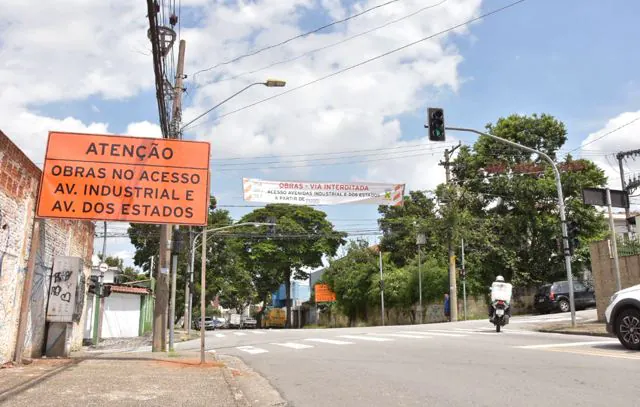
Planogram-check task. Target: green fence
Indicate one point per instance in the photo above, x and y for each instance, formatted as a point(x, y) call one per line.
point(628, 247)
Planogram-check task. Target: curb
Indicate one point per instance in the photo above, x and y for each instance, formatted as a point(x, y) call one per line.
point(583, 333)
point(238, 395)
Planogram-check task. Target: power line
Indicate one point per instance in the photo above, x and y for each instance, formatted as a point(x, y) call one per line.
point(432, 152)
point(313, 51)
point(268, 47)
point(341, 71)
point(424, 149)
point(606, 134)
point(328, 153)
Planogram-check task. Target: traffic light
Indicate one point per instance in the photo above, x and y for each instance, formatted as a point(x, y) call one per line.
point(573, 230)
point(436, 124)
point(106, 291)
point(93, 285)
point(178, 241)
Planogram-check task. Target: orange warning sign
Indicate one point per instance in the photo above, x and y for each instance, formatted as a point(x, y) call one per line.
point(130, 179)
point(324, 293)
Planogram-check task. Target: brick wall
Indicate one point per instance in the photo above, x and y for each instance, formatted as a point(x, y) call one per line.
point(19, 179)
point(604, 277)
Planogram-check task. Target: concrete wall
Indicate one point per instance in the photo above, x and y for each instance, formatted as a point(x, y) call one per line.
point(603, 273)
point(19, 179)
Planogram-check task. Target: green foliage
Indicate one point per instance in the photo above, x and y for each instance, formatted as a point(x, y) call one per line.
point(352, 278)
point(303, 236)
point(400, 225)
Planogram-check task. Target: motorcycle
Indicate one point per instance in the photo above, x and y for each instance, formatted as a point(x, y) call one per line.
point(499, 317)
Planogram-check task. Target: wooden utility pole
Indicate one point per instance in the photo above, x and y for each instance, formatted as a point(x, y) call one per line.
point(161, 309)
point(453, 286)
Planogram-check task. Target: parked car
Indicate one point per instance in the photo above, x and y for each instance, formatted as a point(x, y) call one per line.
point(248, 322)
point(623, 317)
point(235, 321)
point(555, 297)
point(209, 323)
point(220, 323)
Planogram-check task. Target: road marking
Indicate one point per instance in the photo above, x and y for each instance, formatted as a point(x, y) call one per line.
point(293, 345)
point(492, 330)
point(599, 352)
point(366, 338)
point(258, 332)
point(567, 345)
point(252, 350)
point(329, 341)
point(219, 335)
point(407, 336)
point(434, 333)
point(239, 333)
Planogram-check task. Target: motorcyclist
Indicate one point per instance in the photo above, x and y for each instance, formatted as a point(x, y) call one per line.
point(497, 286)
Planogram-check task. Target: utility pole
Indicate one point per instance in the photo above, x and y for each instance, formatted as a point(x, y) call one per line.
point(464, 280)
point(420, 240)
point(187, 290)
point(381, 285)
point(453, 288)
point(162, 292)
point(99, 298)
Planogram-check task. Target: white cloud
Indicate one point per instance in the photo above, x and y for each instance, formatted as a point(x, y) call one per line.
point(603, 150)
point(72, 49)
point(144, 129)
point(354, 110)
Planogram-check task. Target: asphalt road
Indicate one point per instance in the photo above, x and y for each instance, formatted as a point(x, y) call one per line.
point(451, 364)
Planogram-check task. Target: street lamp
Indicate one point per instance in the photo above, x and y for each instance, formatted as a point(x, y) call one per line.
point(203, 281)
point(270, 83)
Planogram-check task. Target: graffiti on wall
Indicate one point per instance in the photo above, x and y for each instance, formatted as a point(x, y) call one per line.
point(62, 296)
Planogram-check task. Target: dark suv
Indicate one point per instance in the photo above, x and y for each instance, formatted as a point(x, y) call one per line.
point(555, 297)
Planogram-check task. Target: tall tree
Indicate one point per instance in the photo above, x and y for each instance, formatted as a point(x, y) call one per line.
point(401, 224)
point(302, 237)
point(516, 191)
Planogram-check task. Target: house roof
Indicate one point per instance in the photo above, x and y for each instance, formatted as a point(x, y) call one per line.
point(125, 289)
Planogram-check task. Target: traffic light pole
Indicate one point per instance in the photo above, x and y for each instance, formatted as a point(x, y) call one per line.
point(561, 207)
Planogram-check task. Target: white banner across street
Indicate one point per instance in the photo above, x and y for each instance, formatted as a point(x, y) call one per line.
point(322, 193)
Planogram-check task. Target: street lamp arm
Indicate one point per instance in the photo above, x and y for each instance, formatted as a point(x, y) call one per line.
point(221, 103)
point(561, 207)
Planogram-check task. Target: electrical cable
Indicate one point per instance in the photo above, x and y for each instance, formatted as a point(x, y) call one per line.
point(315, 30)
point(351, 67)
point(313, 51)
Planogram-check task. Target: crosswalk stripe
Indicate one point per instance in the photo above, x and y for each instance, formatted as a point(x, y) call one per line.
point(430, 332)
point(252, 350)
point(407, 336)
point(258, 332)
point(366, 338)
point(239, 333)
point(329, 341)
point(219, 335)
point(567, 345)
point(293, 345)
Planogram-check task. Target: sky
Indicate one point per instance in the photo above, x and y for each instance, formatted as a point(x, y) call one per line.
point(86, 66)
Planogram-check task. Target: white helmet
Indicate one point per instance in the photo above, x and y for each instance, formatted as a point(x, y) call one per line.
point(500, 279)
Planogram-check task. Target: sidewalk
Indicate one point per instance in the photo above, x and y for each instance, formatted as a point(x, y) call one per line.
point(589, 329)
point(122, 379)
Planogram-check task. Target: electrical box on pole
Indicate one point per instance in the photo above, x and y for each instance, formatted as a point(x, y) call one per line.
point(435, 118)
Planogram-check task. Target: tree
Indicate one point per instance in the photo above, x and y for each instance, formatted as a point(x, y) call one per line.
point(302, 237)
point(401, 224)
point(513, 194)
point(352, 278)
